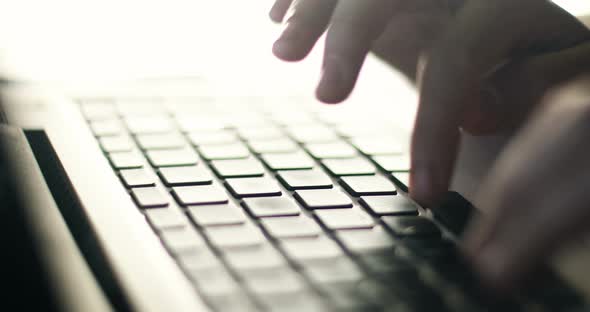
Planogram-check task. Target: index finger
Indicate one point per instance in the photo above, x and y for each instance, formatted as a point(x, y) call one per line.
point(484, 34)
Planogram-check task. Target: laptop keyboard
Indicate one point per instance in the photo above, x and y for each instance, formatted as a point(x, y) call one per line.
point(272, 208)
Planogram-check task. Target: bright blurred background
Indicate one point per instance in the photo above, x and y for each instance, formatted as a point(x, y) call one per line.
point(225, 41)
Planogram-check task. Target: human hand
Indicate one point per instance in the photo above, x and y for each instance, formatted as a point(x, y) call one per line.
point(463, 86)
point(537, 193)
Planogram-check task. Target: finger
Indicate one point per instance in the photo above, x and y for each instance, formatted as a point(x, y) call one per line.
point(526, 224)
point(307, 23)
point(355, 25)
point(279, 9)
point(473, 45)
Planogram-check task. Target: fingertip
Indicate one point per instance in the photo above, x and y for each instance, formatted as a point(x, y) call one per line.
point(424, 188)
point(492, 265)
point(335, 85)
point(287, 50)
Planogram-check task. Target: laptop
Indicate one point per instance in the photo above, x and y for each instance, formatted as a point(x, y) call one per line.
point(162, 195)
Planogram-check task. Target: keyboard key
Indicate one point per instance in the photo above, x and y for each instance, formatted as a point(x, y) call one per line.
point(237, 236)
point(149, 197)
point(166, 218)
point(172, 158)
point(349, 167)
point(345, 219)
point(393, 163)
point(109, 127)
point(119, 143)
point(160, 141)
point(125, 160)
point(303, 300)
point(201, 123)
point(182, 176)
point(271, 207)
point(301, 226)
point(341, 270)
point(292, 118)
point(323, 199)
point(454, 212)
point(411, 226)
point(200, 195)
point(259, 133)
point(253, 187)
point(312, 134)
point(235, 302)
point(202, 259)
point(211, 138)
point(226, 151)
point(137, 178)
point(261, 257)
point(292, 161)
point(281, 145)
point(272, 281)
point(331, 150)
point(98, 109)
point(216, 283)
point(305, 179)
point(180, 240)
point(379, 146)
point(368, 185)
point(237, 168)
point(402, 180)
point(217, 215)
point(312, 250)
point(389, 205)
point(139, 106)
point(366, 241)
point(148, 124)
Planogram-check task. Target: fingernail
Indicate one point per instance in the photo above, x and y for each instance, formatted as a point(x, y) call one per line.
point(421, 185)
point(331, 88)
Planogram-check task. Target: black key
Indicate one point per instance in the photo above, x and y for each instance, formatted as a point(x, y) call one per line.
point(305, 179)
point(345, 219)
point(238, 168)
point(454, 212)
point(349, 167)
point(125, 160)
point(217, 215)
point(411, 226)
point(172, 158)
point(323, 199)
point(368, 185)
point(212, 138)
point(393, 163)
point(321, 248)
point(149, 124)
point(166, 218)
point(331, 150)
point(389, 205)
point(149, 197)
point(262, 257)
point(366, 241)
point(271, 207)
point(275, 146)
point(160, 141)
point(379, 146)
point(137, 178)
point(253, 187)
point(301, 226)
point(182, 176)
point(181, 240)
point(238, 236)
point(226, 151)
point(119, 143)
point(200, 195)
point(292, 161)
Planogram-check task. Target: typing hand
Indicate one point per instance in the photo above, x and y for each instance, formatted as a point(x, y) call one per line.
point(538, 191)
